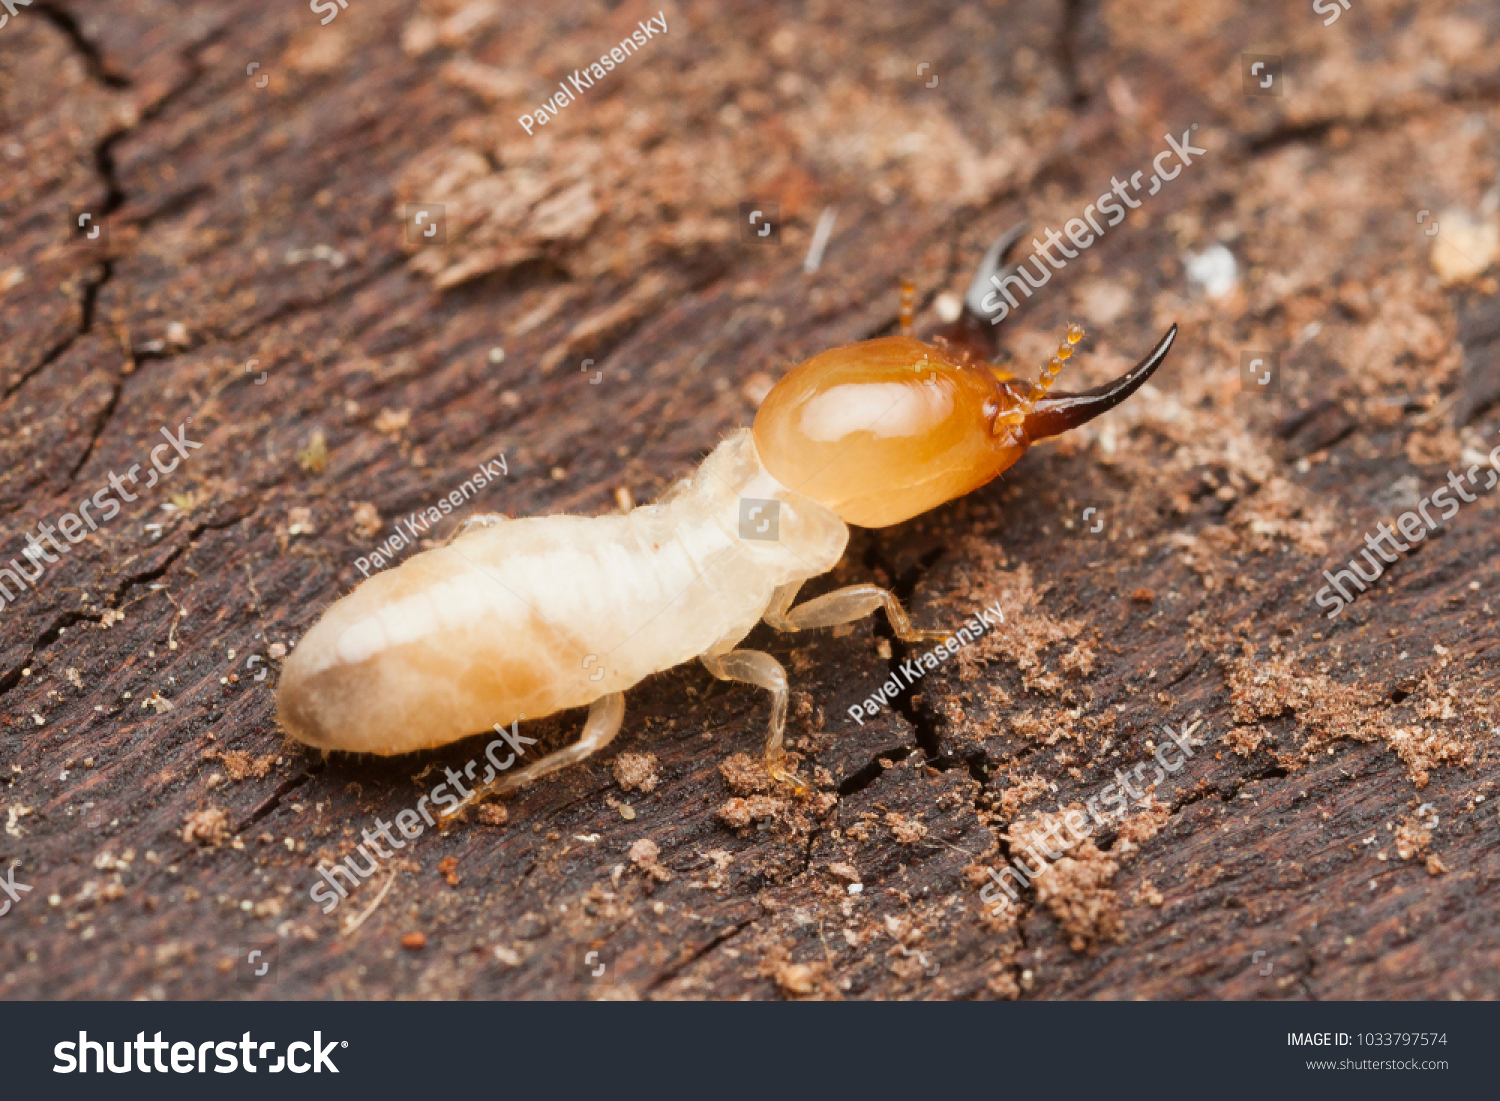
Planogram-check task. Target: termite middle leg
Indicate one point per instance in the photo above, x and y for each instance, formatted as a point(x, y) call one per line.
point(843, 606)
point(763, 671)
point(606, 714)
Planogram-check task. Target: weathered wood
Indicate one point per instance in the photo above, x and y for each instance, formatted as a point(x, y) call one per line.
point(149, 793)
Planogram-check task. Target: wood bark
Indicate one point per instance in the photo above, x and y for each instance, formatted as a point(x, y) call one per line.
point(594, 311)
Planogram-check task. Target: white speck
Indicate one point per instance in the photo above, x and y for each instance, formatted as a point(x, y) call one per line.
point(318, 252)
point(948, 306)
point(1214, 269)
point(856, 888)
point(821, 234)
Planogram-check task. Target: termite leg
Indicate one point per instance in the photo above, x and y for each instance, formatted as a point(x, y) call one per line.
point(763, 671)
point(473, 523)
point(844, 606)
point(606, 714)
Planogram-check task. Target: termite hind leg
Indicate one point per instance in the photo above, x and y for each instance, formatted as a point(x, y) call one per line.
point(844, 606)
point(606, 714)
point(763, 671)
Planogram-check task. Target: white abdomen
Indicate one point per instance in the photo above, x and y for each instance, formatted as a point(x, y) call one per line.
point(532, 616)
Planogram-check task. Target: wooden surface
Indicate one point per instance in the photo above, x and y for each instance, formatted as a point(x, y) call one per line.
point(165, 823)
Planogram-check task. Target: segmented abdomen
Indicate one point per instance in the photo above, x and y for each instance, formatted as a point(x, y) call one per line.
point(525, 618)
point(533, 616)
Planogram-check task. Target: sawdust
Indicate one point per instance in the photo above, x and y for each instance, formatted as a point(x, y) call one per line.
point(1244, 740)
point(1028, 790)
point(737, 813)
point(1142, 825)
point(366, 520)
point(1147, 895)
point(796, 980)
point(1026, 631)
point(1328, 711)
point(1077, 893)
point(207, 827)
point(1412, 838)
point(1048, 730)
point(608, 187)
point(636, 771)
point(1465, 246)
point(847, 872)
point(746, 775)
point(1079, 661)
point(644, 854)
point(1074, 887)
point(906, 831)
point(239, 765)
point(1283, 510)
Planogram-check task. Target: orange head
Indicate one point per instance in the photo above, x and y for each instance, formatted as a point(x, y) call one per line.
point(885, 429)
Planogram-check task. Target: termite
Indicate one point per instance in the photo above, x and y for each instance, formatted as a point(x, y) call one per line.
point(528, 617)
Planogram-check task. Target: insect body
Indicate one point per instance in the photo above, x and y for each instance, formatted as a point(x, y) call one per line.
point(533, 616)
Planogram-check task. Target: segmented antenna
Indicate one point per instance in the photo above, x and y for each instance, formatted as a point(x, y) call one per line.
point(1017, 416)
point(908, 305)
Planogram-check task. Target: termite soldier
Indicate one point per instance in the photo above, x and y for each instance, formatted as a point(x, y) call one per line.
point(533, 616)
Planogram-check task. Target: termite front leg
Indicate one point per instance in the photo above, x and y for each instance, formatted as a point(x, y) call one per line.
point(763, 671)
point(843, 606)
point(606, 714)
